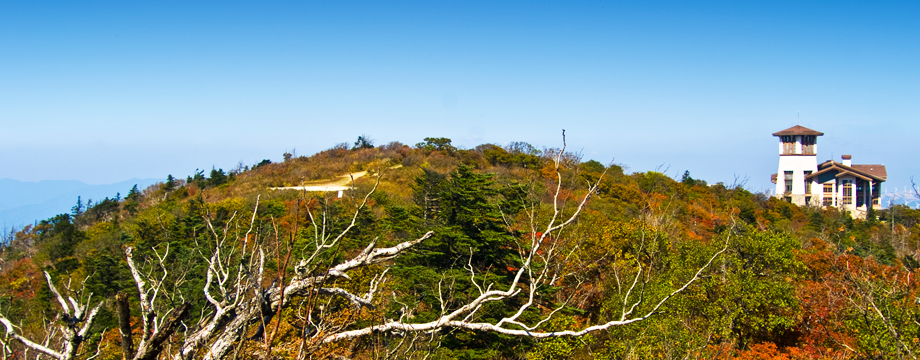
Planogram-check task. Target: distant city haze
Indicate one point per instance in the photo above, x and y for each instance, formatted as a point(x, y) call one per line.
point(107, 91)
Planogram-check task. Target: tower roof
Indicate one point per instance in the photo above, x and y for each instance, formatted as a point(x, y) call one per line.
point(798, 130)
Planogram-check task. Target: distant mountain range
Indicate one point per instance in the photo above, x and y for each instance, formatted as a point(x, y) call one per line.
point(23, 203)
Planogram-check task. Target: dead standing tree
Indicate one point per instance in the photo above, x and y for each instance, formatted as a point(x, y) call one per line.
point(156, 329)
point(238, 301)
point(233, 286)
point(540, 258)
point(74, 323)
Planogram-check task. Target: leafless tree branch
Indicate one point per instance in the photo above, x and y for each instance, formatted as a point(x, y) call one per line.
point(77, 319)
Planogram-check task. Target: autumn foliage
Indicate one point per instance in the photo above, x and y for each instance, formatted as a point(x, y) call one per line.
point(794, 282)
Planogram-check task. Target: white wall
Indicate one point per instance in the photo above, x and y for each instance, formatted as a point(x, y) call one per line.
point(798, 164)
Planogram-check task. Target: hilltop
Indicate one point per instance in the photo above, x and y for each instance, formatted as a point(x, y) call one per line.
point(491, 252)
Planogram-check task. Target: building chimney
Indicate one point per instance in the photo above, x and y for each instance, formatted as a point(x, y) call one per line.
point(847, 160)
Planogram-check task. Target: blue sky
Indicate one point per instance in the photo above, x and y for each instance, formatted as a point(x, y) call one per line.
point(106, 91)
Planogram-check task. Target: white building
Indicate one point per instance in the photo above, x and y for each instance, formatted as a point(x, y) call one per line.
point(802, 181)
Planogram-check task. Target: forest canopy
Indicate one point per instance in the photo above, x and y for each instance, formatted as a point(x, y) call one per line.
point(442, 252)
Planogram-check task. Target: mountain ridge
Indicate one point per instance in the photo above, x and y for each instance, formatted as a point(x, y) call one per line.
point(25, 202)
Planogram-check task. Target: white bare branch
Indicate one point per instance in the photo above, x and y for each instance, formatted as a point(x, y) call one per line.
point(357, 300)
point(11, 331)
point(77, 322)
point(447, 321)
point(539, 268)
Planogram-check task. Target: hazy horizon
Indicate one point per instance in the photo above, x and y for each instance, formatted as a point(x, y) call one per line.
point(109, 91)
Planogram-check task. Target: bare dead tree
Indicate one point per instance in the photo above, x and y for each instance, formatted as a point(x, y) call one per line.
point(537, 270)
point(74, 323)
point(123, 307)
point(156, 328)
point(881, 298)
point(913, 185)
point(739, 182)
point(238, 299)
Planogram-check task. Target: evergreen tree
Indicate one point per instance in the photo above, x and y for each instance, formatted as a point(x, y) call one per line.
point(363, 142)
point(471, 218)
point(218, 177)
point(431, 144)
point(686, 179)
point(133, 200)
point(197, 179)
point(465, 211)
point(77, 209)
point(59, 237)
point(170, 184)
point(426, 192)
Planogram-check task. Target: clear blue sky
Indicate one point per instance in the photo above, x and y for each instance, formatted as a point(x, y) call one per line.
point(106, 91)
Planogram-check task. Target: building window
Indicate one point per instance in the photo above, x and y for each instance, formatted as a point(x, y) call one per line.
point(860, 193)
point(807, 183)
point(828, 194)
point(808, 145)
point(876, 193)
point(788, 145)
point(847, 192)
point(788, 178)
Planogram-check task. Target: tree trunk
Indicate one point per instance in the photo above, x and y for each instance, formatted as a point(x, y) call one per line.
point(124, 326)
point(154, 347)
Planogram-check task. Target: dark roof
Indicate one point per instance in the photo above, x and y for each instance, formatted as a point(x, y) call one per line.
point(873, 169)
point(865, 172)
point(798, 130)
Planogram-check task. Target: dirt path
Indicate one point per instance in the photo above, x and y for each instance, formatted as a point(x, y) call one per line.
point(336, 185)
